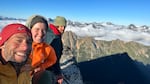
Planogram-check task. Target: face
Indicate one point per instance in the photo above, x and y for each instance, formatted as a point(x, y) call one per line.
point(61, 29)
point(38, 32)
point(17, 48)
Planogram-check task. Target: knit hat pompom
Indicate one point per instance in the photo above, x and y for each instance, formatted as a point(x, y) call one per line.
point(32, 20)
point(12, 29)
point(60, 21)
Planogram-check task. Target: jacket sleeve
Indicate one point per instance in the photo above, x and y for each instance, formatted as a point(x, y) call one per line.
point(57, 45)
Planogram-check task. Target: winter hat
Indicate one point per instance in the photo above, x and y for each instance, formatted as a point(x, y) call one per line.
point(31, 21)
point(12, 29)
point(60, 21)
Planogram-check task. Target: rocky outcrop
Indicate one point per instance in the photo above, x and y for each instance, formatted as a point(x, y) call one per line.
point(87, 48)
point(106, 62)
point(69, 67)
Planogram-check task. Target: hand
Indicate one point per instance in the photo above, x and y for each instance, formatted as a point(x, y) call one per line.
point(37, 69)
point(59, 79)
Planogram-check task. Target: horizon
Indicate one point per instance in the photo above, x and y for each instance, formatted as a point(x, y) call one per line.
point(104, 32)
point(118, 12)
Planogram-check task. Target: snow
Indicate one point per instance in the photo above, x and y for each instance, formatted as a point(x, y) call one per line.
point(109, 33)
point(106, 32)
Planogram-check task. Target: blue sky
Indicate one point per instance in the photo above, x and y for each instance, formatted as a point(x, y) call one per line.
point(116, 11)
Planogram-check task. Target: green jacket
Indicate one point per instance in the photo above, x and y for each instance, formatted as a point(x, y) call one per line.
point(10, 75)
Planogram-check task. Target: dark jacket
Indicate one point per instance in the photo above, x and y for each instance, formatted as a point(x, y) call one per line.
point(53, 37)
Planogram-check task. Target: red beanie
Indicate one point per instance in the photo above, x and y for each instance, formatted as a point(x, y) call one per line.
point(12, 29)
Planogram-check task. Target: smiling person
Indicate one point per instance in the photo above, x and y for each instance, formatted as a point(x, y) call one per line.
point(42, 55)
point(15, 47)
point(53, 37)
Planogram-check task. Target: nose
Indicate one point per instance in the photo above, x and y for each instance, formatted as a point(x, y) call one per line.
point(41, 33)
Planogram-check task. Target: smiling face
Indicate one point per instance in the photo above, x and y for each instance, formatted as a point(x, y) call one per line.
point(17, 48)
point(38, 32)
point(61, 29)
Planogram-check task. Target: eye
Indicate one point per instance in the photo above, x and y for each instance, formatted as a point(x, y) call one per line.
point(35, 29)
point(19, 40)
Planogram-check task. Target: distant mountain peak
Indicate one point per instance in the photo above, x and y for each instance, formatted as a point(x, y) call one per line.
point(11, 18)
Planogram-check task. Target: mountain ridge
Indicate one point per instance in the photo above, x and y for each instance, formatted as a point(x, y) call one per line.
point(92, 49)
point(69, 21)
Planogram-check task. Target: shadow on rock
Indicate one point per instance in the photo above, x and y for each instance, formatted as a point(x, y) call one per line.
point(115, 69)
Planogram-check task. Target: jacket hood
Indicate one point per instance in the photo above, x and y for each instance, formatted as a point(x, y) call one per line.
point(54, 29)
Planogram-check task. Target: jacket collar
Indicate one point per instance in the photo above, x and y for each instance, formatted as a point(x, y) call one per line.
point(54, 29)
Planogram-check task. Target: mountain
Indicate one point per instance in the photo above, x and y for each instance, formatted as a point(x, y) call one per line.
point(10, 18)
point(70, 69)
point(93, 49)
point(104, 53)
point(108, 31)
point(109, 62)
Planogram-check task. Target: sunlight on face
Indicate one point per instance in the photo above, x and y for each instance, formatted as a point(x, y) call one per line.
point(38, 32)
point(61, 29)
point(17, 48)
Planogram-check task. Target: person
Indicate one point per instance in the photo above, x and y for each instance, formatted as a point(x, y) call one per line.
point(42, 55)
point(15, 47)
point(53, 37)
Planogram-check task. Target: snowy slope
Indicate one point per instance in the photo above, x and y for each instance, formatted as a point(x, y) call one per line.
point(103, 31)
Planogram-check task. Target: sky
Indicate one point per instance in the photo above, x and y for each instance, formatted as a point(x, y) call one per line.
point(123, 12)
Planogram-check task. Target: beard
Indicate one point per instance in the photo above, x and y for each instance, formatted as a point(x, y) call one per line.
point(11, 54)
